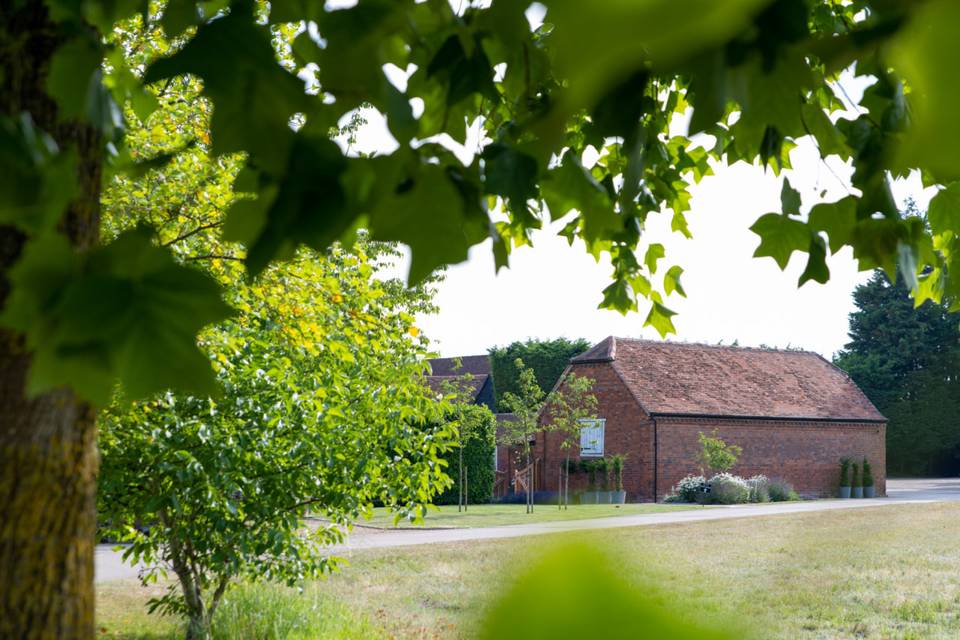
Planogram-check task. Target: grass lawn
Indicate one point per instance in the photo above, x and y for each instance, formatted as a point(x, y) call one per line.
point(888, 572)
point(494, 515)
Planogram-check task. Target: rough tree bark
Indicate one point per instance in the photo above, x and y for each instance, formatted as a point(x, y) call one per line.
point(48, 455)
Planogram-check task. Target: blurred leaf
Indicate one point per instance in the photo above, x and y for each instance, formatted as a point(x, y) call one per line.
point(254, 96)
point(599, 47)
point(74, 79)
point(570, 186)
point(178, 16)
point(432, 218)
point(918, 53)
point(575, 591)
point(94, 319)
point(944, 210)
point(36, 181)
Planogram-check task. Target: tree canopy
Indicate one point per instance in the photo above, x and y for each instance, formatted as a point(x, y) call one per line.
point(594, 119)
point(752, 77)
point(907, 360)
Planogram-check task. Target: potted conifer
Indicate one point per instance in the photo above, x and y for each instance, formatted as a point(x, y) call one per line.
point(869, 491)
point(603, 467)
point(845, 477)
point(590, 468)
point(855, 481)
point(619, 496)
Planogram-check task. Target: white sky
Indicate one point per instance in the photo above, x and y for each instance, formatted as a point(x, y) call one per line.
point(553, 289)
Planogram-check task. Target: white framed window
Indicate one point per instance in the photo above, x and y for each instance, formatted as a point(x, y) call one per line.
point(591, 437)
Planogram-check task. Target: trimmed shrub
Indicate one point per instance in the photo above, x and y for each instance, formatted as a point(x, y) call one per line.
point(759, 488)
point(688, 488)
point(867, 474)
point(781, 491)
point(728, 489)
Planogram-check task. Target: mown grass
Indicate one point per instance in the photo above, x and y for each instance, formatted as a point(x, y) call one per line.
point(886, 572)
point(495, 515)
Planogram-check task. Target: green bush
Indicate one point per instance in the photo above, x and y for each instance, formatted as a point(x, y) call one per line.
point(782, 491)
point(726, 488)
point(759, 488)
point(547, 358)
point(844, 472)
point(688, 488)
point(856, 480)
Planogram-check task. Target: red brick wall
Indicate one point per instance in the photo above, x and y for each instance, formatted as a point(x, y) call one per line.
point(806, 454)
point(628, 431)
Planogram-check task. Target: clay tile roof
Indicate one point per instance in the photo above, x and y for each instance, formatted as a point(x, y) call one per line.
point(475, 365)
point(697, 379)
point(472, 386)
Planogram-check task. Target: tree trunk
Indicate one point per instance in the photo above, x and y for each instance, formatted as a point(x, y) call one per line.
point(48, 455)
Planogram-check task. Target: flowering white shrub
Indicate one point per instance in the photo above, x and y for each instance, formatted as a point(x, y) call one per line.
point(759, 488)
point(688, 488)
point(726, 488)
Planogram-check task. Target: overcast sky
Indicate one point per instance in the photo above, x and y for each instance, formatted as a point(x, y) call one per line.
point(553, 289)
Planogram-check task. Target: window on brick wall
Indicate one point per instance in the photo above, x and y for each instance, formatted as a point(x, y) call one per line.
point(591, 437)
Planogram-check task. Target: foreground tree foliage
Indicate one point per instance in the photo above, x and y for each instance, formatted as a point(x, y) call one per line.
point(757, 75)
point(323, 412)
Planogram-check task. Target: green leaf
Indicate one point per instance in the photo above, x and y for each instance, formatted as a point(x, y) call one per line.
point(876, 242)
point(789, 199)
point(352, 59)
point(570, 187)
point(597, 48)
point(310, 206)
point(619, 297)
point(780, 237)
point(828, 138)
point(671, 281)
point(816, 262)
point(654, 253)
point(944, 211)
point(595, 599)
point(917, 53)
point(660, 319)
point(837, 219)
point(178, 16)
point(509, 173)
point(92, 320)
point(433, 218)
point(253, 96)
point(74, 77)
point(36, 181)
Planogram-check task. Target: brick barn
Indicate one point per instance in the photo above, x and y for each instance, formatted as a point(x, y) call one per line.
point(793, 412)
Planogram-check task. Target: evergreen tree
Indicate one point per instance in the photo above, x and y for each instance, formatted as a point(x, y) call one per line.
point(907, 361)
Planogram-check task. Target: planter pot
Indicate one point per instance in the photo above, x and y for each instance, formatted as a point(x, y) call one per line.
point(619, 497)
point(870, 492)
point(844, 492)
point(589, 497)
point(858, 492)
point(603, 497)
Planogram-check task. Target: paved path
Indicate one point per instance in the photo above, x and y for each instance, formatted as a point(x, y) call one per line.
point(110, 567)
